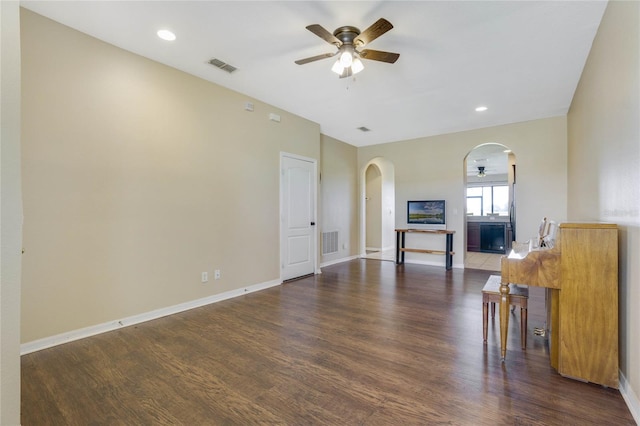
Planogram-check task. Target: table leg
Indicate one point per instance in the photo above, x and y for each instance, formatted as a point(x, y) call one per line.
point(448, 257)
point(397, 247)
point(523, 327)
point(504, 318)
point(485, 320)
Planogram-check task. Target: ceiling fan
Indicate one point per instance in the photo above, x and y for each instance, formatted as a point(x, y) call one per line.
point(348, 40)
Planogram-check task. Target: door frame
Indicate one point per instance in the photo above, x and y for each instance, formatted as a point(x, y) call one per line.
point(314, 210)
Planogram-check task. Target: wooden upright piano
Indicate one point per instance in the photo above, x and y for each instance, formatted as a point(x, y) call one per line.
point(581, 274)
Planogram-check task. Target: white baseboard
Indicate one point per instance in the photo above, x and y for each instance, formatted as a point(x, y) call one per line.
point(336, 261)
point(388, 248)
point(630, 398)
point(70, 336)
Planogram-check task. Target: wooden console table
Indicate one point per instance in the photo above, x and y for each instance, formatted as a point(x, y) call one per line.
point(401, 249)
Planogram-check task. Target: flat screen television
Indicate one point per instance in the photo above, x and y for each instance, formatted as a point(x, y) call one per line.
point(427, 214)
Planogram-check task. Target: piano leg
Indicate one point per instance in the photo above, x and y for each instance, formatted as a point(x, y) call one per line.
point(504, 318)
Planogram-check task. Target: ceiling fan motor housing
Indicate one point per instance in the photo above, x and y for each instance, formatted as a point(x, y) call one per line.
point(346, 34)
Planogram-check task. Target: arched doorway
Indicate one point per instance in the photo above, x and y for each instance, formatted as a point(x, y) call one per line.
point(377, 212)
point(490, 205)
point(373, 209)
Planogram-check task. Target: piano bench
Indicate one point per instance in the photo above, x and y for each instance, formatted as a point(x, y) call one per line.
point(519, 295)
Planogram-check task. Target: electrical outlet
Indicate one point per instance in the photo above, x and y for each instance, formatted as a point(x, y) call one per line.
point(205, 277)
point(216, 274)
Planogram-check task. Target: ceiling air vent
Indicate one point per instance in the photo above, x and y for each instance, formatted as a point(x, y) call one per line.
point(222, 65)
point(364, 129)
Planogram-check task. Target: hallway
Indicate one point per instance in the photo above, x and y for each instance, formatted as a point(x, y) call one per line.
point(473, 260)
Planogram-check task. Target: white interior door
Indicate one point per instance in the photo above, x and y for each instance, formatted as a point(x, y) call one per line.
point(298, 212)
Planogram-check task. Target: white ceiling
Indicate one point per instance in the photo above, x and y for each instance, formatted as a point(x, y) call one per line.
point(522, 59)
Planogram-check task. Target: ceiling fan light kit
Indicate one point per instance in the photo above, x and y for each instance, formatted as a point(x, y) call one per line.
point(348, 39)
point(346, 58)
point(337, 67)
point(357, 65)
point(347, 65)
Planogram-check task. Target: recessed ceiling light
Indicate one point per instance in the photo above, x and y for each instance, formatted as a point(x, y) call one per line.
point(481, 108)
point(166, 35)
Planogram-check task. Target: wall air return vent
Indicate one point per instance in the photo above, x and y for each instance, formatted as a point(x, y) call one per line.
point(329, 242)
point(222, 65)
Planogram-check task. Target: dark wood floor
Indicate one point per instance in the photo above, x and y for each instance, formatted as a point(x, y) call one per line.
point(365, 343)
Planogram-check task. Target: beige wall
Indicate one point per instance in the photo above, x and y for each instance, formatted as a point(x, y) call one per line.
point(604, 162)
point(338, 196)
point(10, 216)
point(138, 177)
point(433, 168)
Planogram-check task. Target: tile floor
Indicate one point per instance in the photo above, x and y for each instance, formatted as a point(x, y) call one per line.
point(487, 261)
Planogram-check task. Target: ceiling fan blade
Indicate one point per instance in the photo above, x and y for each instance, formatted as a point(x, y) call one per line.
point(379, 55)
point(324, 34)
point(315, 58)
point(380, 27)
